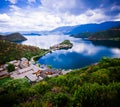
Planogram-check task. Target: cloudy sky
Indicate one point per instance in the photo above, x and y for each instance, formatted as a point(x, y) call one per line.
point(37, 15)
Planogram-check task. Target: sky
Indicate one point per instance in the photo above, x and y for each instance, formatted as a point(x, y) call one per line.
point(40, 15)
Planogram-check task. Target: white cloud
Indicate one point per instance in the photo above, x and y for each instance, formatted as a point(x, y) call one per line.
point(42, 18)
point(117, 18)
point(4, 17)
point(40, 41)
point(14, 8)
point(59, 5)
point(116, 52)
point(115, 7)
point(13, 1)
point(87, 49)
point(80, 47)
point(31, 1)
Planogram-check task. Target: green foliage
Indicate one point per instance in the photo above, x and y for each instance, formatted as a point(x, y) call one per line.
point(3, 80)
point(13, 37)
point(13, 91)
point(42, 87)
point(67, 42)
point(11, 51)
point(42, 53)
point(10, 67)
point(49, 66)
point(100, 76)
point(82, 35)
point(93, 86)
point(111, 34)
point(16, 84)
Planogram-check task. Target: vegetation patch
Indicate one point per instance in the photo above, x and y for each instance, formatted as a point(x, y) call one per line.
point(11, 51)
point(93, 86)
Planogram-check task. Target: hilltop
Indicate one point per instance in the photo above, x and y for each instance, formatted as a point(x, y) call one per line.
point(14, 37)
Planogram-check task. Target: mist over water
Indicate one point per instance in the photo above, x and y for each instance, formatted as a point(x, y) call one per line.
point(83, 52)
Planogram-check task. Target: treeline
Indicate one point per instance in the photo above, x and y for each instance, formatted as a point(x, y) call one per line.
point(97, 85)
point(13, 37)
point(112, 34)
point(67, 42)
point(11, 51)
point(82, 35)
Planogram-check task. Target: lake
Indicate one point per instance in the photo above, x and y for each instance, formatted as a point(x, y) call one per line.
point(83, 52)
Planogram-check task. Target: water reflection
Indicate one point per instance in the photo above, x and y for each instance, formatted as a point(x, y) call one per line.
point(71, 59)
point(46, 41)
point(107, 43)
point(82, 53)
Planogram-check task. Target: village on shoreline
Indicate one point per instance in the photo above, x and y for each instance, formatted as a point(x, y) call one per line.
point(33, 71)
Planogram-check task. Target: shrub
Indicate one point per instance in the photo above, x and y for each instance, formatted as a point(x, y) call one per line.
point(10, 67)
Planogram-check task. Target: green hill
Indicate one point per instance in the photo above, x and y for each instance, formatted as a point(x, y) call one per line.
point(82, 35)
point(111, 34)
point(12, 51)
point(14, 37)
point(97, 85)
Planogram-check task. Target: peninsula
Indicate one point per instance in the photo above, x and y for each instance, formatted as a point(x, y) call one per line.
point(66, 44)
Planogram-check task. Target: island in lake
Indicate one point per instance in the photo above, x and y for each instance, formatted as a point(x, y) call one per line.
point(66, 44)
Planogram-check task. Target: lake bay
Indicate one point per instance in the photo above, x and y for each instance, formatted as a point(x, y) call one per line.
point(83, 52)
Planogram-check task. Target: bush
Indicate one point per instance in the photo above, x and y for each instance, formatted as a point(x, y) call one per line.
point(10, 67)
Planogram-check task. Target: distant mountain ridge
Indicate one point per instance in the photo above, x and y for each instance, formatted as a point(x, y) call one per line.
point(91, 28)
point(62, 30)
point(71, 30)
point(13, 37)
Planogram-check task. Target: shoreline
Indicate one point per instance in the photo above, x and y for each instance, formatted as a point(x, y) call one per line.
point(66, 44)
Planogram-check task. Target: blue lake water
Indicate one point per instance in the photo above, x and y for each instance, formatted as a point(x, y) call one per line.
point(83, 52)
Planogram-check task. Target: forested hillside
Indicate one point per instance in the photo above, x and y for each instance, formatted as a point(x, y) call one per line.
point(13, 37)
point(11, 51)
point(111, 34)
point(82, 35)
point(97, 85)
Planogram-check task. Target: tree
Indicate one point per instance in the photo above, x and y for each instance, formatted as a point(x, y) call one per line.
point(50, 66)
point(10, 67)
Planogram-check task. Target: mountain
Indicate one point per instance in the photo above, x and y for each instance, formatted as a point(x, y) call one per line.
point(111, 34)
point(14, 37)
point(62, 30)
point(91, 28)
